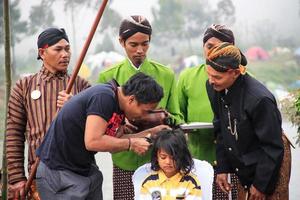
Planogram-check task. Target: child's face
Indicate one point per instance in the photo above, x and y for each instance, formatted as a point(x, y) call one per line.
point(166, 163)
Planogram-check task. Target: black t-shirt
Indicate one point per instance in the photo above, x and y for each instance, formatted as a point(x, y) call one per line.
point(63, 146)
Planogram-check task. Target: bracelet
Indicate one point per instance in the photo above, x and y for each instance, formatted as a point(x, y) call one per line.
point(129, 144)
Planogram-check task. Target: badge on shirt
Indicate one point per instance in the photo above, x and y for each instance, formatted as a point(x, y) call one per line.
point(156, 195)
point(35, 94)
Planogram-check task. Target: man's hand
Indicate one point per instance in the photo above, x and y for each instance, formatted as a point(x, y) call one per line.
point(153, 131)
point(139, 145)
point(17, 191)
point(222, 181)
point(255, 194)
point(62, 98)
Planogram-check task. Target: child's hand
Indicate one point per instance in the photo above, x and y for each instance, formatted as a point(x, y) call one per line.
point(139, 145)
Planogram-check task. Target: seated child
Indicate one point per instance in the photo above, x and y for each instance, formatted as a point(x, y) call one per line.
point(171, 163)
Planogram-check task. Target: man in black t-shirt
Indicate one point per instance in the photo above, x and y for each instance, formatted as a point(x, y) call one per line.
point(86, 125)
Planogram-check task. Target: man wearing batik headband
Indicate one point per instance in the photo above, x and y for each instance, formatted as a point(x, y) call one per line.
point(33, 104)
point(134, 36)
point(247, 123)
point(195, 106)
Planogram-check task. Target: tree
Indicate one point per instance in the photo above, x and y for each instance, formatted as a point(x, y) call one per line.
point(18, 29)
point(106, 45)
point(1, 23)
point(110, 21)
point(168, 20)
point(41, 16)
point(6, 28)
point(225, 13)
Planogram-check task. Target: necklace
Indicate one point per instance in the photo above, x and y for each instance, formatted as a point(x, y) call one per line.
point(233, 130)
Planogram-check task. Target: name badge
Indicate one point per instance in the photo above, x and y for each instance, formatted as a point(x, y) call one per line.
point(35, 94)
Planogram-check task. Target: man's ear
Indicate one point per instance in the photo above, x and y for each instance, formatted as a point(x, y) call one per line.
point(41, 52)
point(131, 99)
point(237, 72)
point(122, 42)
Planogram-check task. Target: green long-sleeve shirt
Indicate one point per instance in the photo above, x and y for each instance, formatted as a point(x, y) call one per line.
point(195, 107)
point(121, 72)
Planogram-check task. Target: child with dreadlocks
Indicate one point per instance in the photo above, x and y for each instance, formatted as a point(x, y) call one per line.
point(171, 163)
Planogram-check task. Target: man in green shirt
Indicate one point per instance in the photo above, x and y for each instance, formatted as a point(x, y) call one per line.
point(195, 106)
point(135, 35)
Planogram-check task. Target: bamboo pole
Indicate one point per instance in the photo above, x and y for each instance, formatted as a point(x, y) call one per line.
point(71, 82)
point(7, 58)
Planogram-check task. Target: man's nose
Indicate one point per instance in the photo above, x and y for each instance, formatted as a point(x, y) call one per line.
point(140, 49)
point(65, 53)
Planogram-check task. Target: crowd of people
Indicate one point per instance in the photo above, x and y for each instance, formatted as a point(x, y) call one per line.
point(247, 146)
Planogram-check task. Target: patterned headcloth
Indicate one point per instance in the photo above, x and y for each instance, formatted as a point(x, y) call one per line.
point(51, 36)
point(218, 31)
point(134, 24)
point(225, 56)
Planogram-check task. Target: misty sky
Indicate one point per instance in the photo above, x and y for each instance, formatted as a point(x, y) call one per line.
point(283, 15)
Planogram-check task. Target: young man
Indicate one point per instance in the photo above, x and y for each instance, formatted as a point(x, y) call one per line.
point(86, 125)
point(247, 123)
point(34, 102)
point(195, 106)
point(134, 36)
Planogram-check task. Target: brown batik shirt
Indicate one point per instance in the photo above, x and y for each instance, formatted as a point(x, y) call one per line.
point(31, 108)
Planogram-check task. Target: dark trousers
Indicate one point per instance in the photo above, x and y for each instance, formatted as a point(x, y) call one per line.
point(65, 184)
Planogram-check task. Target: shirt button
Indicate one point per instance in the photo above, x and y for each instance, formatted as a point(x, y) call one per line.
point(245, 186)
point(228, 127)
point(215, 141)
point(236, 169)
point(226, 106)
point(229, 148)
point(215, 162)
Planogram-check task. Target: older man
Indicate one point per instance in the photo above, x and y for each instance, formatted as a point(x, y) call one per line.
point(34, 102)
point(194, 105)
point(134, 36)
point(247, 123)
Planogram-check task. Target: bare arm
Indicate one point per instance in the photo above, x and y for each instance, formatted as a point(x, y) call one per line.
point(96, 140)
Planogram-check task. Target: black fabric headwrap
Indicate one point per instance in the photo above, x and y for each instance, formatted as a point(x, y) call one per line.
point(51, 36)
point(223, 63)
point(219, 31)
point(130, 26)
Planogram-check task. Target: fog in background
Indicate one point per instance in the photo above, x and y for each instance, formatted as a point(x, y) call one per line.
point(272, 19)
point(267, 31)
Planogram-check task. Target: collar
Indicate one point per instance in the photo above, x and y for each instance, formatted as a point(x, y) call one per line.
point(46, 75)
point(163, 178)
point(134, 67)
point(231, 93)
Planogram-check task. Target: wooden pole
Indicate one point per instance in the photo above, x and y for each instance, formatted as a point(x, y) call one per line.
point(7, 58)
point(72, 80)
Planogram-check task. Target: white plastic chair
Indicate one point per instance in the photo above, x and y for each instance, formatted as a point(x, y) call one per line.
point(203, 170)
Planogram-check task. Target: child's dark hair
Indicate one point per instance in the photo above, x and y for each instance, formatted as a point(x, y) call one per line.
point(144, 88)
point(173, 142)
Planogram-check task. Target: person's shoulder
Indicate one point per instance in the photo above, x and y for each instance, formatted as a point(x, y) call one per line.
point(153, 176)
point(257, 90)
point(192, 70)
point(191, 177)
point(161, 67)
point(25, 79)
point(113, 68)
